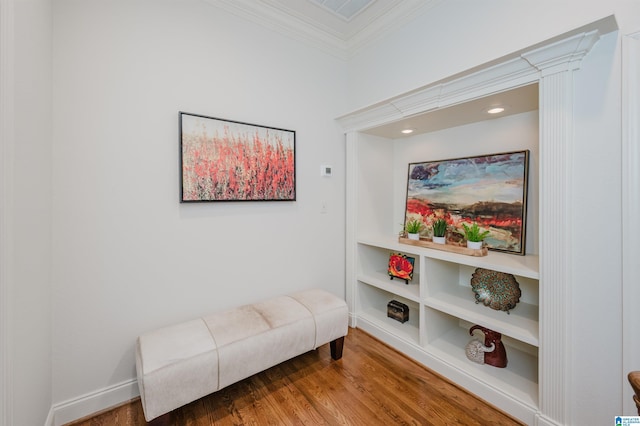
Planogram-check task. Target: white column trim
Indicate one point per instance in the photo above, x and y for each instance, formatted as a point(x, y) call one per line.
point(555, 236)
point(630, 213)
point(7, 63)
point(351, 150)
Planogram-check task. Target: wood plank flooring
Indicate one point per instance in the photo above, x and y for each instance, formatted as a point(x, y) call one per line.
point(371, 385)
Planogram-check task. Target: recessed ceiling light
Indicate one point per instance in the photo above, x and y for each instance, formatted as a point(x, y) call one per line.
point(495, 110)
point(407, 131)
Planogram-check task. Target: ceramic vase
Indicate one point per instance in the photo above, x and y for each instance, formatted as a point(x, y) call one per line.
point(474, 244)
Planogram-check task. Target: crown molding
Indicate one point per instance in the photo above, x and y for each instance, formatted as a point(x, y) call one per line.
point(394, 18)
point(288, 25)
point(563, 55)
point(524, 67)
point(302, 28)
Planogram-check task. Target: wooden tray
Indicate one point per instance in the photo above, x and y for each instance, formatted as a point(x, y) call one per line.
point(445, 247)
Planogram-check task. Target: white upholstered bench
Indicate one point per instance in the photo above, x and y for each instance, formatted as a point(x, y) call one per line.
point(182, 363)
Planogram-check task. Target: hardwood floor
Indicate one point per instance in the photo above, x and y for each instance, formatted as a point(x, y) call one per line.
point(371, 385)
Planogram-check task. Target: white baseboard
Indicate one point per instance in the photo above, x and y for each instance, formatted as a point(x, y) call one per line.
point(49, 421)
point(84, 405)
point(542, 420)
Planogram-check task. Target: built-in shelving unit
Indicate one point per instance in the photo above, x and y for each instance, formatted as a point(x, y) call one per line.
point(441, 302)
point(442, 308)
point(442, 305)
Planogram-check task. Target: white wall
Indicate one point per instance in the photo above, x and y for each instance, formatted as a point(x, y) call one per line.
point(457, 35)
point(597, 375)
point(448, 41)
point(128, 257)
point(31, 218)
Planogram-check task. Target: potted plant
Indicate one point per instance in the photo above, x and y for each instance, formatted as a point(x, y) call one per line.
point(439, 227)
point(413, 228)
point(474, 235)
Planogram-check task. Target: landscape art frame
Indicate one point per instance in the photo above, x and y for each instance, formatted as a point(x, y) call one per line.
point(226, 160)
point(490, 190)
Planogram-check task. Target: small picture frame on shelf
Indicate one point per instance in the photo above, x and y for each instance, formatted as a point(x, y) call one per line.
point(401, 266)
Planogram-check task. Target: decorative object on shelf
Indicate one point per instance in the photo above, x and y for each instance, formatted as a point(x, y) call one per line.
point(474, 235)
point(498, 290)
point(401, 266)
point(398, 311)
point(444, 247)
point(413, 228)
point(491, 351)
point(488, 189)
point(439, 227)
point(474, 244)
point(224, 160)
point(475, 350)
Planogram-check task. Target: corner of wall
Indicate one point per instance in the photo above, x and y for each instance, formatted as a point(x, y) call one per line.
point(6, 240)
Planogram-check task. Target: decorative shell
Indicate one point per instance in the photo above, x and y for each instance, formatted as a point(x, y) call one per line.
point(498, 290)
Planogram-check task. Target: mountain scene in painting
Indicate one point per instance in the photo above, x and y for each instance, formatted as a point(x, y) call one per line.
point(489, 190)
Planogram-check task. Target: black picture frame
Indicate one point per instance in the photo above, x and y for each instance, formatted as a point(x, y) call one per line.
point(226, 160)
point(490, 190)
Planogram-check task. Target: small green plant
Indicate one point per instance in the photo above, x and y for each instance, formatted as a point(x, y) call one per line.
point(439, 228)
point(473, 233)
point(414, 226)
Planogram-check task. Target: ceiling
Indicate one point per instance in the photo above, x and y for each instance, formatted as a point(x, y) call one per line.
point(339, 27)
point(340, 18)
point(344, 9)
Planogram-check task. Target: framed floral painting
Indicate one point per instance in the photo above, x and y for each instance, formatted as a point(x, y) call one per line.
point(401, 266)
point(225, 160)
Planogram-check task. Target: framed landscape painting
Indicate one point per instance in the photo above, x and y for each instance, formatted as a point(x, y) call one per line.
point(490, 190)
point(224, 160)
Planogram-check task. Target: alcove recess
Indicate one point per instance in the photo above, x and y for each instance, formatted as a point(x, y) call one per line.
point(535, 83)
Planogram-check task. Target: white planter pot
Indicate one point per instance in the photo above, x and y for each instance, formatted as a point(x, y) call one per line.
point(414, 236)
point(440, 240)
point(474, 244)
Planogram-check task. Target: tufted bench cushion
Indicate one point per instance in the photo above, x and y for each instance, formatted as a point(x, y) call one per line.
point(182, 363)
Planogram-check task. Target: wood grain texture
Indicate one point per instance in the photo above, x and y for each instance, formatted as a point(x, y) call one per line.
point(371, 385)
point(445, 247)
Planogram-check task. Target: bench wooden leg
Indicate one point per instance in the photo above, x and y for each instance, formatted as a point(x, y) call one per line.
point(336, 348)
point(164, 420)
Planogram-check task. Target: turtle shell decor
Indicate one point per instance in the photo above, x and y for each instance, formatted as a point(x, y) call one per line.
point(497, 290)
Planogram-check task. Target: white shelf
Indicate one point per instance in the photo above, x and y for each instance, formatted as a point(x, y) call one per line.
point(380, 279)
point(442, 293)
point(407, 331)
point(521, 323)
point(373, 302)
point(525, 266)
point(519, 379)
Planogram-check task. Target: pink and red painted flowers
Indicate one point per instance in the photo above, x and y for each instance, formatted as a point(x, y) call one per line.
point(401, 266)
point(234, 164)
